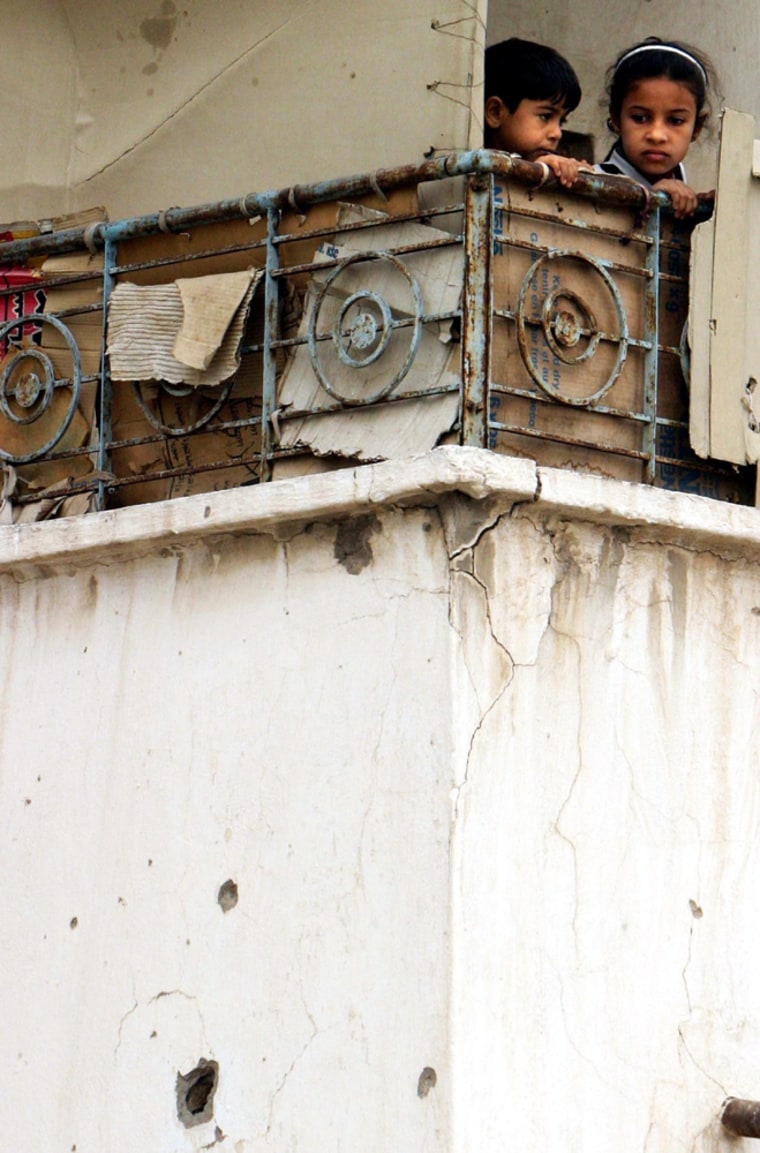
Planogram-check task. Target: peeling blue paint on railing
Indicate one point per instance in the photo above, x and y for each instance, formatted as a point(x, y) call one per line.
point(552, 329)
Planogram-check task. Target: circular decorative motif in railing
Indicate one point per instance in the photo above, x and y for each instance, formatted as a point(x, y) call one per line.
point(566, 321)
point(31, 394)
point(351, 327)
point(173, 409)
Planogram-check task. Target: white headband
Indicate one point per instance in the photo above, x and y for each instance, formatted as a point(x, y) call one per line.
point(664, 48)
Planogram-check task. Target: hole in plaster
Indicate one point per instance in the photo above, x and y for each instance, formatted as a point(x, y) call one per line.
point(352, 546)
point(227, 896)
point(696, 912)
point(73, 922)
point(427, 1081)
point(195, 1093)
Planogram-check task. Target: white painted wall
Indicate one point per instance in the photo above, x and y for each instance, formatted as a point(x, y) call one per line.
point(240, 709)
point(148, 103)
point(38, 89)
point(482, 765)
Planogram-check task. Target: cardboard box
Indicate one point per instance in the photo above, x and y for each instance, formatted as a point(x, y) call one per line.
point(563, 303)
point(202, 461)
point(86, 329)
point(406, 426)
point(228, 458)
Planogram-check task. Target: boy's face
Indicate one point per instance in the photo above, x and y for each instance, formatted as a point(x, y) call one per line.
point(533, 129)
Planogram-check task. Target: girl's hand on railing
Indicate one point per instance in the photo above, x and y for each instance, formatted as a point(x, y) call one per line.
point(684, 198)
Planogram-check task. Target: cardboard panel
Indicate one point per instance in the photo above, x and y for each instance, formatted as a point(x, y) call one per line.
point(592, 299)
point(167, 257)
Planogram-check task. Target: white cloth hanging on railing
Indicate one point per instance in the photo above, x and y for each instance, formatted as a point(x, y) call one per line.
point(188, 332)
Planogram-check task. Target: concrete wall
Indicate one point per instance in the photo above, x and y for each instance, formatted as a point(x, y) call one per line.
point(148, 103)
point(249, 710)
point(473, 745)
point(143, 104)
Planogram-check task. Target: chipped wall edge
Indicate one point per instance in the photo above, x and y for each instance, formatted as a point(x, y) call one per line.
point(281, 507)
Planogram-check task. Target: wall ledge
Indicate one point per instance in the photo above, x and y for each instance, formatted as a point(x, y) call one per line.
point(282, 507)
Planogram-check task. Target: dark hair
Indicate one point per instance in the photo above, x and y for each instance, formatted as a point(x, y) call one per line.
point(654, 58)
point(521, 70)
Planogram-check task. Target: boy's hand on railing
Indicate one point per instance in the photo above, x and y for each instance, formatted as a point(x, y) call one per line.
point(684, 198)
point(565, 168)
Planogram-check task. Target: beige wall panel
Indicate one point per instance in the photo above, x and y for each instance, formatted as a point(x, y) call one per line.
point(38, 91)
point(183, 104)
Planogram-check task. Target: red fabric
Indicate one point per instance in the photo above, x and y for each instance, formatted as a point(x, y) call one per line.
point(28, 299)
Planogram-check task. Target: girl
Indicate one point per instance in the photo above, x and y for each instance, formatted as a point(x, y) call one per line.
point(657, 94)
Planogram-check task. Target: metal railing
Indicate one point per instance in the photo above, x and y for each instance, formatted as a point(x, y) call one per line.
point(454, 301)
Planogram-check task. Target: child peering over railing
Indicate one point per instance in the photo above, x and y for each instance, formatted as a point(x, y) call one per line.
point(359, 319)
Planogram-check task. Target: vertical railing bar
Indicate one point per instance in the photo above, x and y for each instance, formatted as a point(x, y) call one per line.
point(652, 336)
point(271, 333)
point(105, 400)
point(477, 312)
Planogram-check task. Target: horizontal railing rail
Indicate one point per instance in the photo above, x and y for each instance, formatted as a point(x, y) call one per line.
point(464, 299)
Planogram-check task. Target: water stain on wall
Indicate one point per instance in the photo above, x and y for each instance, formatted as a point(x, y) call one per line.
point(352, 546)
point(158, 30)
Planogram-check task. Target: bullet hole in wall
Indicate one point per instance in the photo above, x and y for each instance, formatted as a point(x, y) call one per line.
point(428, 1079)
point(227, 896)
point(352, 546)
point(195, 1093)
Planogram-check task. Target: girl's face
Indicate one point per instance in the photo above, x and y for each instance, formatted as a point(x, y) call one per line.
point(658, 121)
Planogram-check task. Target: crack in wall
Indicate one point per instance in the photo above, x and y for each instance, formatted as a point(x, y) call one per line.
point(286, 1076)
point(574, 1045)
point(685, 967)
point(196, 95)
point(697, 1065)
point(187, 997)
point(573, 851)
point(466, 554)
point(128, 1013)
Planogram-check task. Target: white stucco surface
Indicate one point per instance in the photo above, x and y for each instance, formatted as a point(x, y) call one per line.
point(144, 104)
point(475, 742)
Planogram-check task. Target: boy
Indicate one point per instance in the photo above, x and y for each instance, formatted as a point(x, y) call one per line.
point(530, 90)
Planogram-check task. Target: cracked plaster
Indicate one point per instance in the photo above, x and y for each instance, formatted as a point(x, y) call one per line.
point(471, 793)
point(602, 800)
point(179, 69)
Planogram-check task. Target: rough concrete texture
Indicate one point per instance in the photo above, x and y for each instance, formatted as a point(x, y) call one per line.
point(451, 848)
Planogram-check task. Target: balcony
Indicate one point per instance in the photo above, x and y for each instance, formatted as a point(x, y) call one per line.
point(367, 318)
